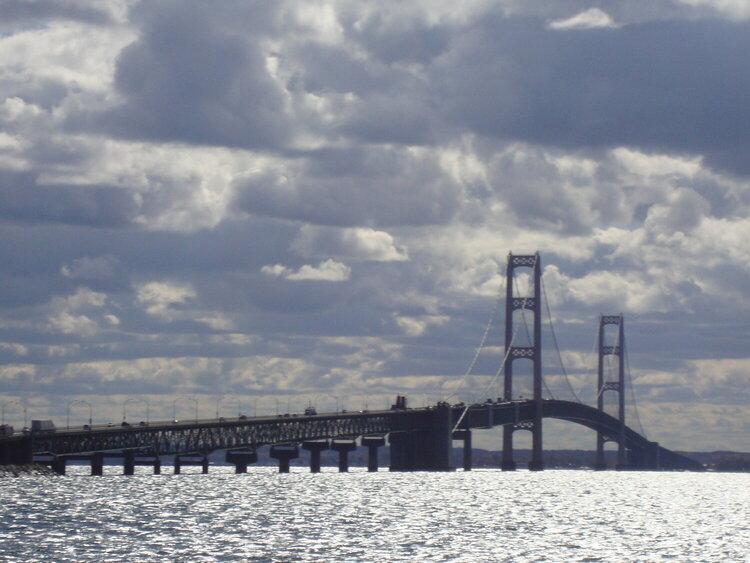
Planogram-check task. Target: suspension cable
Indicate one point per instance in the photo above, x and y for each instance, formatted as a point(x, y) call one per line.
point(492, 381)
point(473, 362)
point(631, 387)
point(587, 374)
point(557, 347)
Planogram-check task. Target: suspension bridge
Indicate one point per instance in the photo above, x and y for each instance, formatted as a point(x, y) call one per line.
point(420, 439)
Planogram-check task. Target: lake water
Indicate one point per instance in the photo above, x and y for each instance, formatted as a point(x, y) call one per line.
point(483, 515)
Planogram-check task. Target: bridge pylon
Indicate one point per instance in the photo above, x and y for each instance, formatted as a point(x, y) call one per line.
point(609, 384)
point(533, 352)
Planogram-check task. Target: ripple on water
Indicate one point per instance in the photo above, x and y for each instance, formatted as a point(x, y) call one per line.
point(483, 515)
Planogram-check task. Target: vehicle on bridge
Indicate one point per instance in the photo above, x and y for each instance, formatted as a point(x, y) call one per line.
point(42, 426)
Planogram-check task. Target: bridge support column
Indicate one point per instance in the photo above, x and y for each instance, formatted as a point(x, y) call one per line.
point(16, 451)
point(429, 448)
point(241, 459)
point(284, 453)
point(343, 447)
point(600, 464)
point(442, 439)
point(507, 463)
point(465, 436)
point(181, 461)
point(97, 463)
point(315, 447)
point(128, 462)
point(372, 443)
point(58, 465)
point(399, 442)
point(537, 462)
point(154, 462)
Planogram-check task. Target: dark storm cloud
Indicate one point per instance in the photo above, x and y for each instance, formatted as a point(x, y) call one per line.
point(22, 200)
point(400, 39)
point(351, 187)
point(26, 11)
point(392, 103)
point(664, 86)
point(45, 93)
point(196, 77)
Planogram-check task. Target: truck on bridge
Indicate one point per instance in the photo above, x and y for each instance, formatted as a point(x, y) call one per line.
point(42, 426)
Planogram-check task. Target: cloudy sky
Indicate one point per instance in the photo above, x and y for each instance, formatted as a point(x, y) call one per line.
point(261, 205)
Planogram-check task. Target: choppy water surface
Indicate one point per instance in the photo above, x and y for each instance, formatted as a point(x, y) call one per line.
point(484, 515)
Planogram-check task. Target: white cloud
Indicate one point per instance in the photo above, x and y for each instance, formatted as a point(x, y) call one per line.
point(353, 243)
point(99, 267)
point(158, 298)
point(591, 18)
point(328, 270)
point(737, 9)
point(77, 314)
point(416, 326)
point(276, 270)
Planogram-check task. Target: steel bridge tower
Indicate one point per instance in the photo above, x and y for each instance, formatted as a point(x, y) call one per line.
point(533, 352)
point(616, 385)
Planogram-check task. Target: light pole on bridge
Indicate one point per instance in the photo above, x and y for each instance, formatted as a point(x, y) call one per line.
point(337, 399)
point(231, 399)
point(187, 398)
point(14, 402)
point(81, 402)
point(136, 399)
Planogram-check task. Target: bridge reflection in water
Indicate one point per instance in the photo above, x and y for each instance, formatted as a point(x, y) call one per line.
point(420, 439)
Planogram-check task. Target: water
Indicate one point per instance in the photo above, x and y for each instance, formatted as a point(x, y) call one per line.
point(484, 515)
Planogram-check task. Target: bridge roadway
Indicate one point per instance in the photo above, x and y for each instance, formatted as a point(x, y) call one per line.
point(420, 439)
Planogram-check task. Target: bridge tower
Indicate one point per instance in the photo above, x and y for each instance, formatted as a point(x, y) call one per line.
point(533, 352)
point(616, 385)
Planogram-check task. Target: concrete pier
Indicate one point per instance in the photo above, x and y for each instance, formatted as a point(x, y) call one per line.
point(372, 443)
point(343, 447)
point(315, 447)
point(284, 453)
point(507, 463)
point(97, 463)
point(427, 448)
point(184, 460)
point(241, 458)
point(399, 443)
point(151, 461)
point(58, 465)
point(465, 436)
point(16, 451)
point(128, 462)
